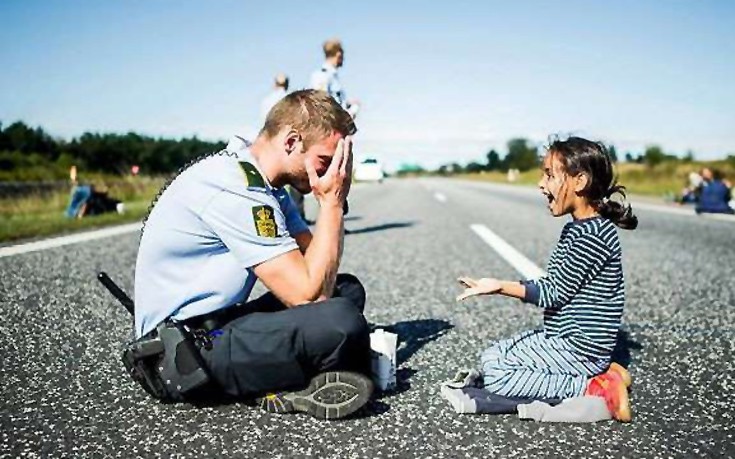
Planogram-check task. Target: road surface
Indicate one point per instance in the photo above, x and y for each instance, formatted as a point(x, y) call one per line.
point(65, 394)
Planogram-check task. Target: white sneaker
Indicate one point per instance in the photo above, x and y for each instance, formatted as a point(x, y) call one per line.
point(464, 378)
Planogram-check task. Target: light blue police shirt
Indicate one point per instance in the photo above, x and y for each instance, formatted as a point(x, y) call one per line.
point(215, 222)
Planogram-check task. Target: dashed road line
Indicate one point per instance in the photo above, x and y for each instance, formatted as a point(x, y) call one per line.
point(516, 259)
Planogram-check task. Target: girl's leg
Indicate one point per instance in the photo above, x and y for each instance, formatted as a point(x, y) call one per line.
point(533, 366)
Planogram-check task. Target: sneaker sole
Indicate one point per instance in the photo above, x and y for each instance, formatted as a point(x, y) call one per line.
point(623, 413)
point(330, 395)
point(622, 372)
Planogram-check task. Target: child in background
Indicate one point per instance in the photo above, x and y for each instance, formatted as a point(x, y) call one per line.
point(582, 296)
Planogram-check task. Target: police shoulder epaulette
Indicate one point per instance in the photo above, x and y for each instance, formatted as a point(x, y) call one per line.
point(252, 176)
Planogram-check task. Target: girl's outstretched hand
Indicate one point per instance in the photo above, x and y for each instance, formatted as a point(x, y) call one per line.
point(476, 287)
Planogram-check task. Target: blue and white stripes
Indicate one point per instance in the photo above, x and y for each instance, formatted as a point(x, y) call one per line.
point(584, 293)
point(533, 366)
point(582, 296)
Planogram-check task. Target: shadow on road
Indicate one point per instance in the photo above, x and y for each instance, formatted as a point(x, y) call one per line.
point(412, 336)
point(415, 334)
point(385, 226)
point(621, 353)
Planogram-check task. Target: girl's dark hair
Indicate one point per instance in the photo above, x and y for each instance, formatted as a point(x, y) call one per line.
point(582, 156)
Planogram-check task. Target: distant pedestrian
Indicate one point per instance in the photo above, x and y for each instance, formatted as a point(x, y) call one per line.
point(690, 194)
point(715, 194)
point(280, 89)
point(86, 199)
point(327, 78)
point(582, 295)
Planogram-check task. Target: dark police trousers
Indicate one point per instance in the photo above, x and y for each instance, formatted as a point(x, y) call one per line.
point(266, 347)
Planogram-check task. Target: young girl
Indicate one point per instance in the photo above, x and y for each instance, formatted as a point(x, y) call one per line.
point(582, 295)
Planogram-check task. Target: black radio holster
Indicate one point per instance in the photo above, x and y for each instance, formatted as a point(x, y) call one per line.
point(167, 362)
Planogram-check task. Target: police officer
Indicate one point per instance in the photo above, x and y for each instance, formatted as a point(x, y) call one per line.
point(226, 221)
point(327, 79)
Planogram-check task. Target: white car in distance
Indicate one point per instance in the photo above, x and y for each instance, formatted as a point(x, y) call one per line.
point(368, 170)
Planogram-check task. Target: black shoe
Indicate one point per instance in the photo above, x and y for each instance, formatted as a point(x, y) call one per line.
point(330, 395)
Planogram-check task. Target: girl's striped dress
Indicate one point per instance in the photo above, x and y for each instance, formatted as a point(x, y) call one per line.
point(582, 297)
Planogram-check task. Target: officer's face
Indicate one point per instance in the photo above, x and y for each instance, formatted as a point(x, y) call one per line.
point(319, 155)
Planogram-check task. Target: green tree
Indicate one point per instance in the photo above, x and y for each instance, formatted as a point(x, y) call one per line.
point(521, 155)
point(653, 155)
point(474, 167)
point(493, 161)
point(613, 153)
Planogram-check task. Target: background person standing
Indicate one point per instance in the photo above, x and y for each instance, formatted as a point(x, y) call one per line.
point(280, 89)
point(327, 79)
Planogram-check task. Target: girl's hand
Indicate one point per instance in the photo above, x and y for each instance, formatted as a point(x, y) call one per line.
point(476, 287)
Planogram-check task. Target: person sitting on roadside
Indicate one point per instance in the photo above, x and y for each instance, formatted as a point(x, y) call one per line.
point(86, 199)
point(690, 194)
point(715, 195)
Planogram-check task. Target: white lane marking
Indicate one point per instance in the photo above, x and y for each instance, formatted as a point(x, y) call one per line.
point(440, 197)
point(516, 259)
point(66, 240)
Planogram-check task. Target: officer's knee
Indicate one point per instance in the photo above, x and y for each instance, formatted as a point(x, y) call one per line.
point(349, 287)
point(346, 319)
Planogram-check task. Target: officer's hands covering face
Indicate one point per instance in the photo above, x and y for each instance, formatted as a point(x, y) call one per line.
point(476, 287)
point(333, 187)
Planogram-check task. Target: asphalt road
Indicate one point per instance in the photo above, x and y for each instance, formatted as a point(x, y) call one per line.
point(64, 392)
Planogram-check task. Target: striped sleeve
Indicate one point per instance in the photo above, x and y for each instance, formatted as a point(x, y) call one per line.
point(584, 259)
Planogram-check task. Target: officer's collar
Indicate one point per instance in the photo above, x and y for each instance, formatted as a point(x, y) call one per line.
point(328, 67)
point(241, 148)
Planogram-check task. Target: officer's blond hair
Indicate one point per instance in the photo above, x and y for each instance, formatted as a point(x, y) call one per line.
point(332, 47)
point(313, 114)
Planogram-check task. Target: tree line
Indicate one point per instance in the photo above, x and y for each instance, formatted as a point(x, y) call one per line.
point(33, 154)
point(524, 155)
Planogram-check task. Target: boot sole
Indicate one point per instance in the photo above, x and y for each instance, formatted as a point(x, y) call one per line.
point(330, 395)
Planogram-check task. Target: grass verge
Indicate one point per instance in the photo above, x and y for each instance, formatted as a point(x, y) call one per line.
point(663, 181)
point(39, 215)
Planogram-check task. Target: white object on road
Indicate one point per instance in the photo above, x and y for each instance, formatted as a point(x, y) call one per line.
point(440, 197)
point(523, 265)
point(383, 346)
point(369, 170)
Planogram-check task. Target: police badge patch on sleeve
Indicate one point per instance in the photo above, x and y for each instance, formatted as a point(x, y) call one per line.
point(265, 221)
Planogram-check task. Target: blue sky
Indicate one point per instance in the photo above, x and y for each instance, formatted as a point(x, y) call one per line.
point(438, 82)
